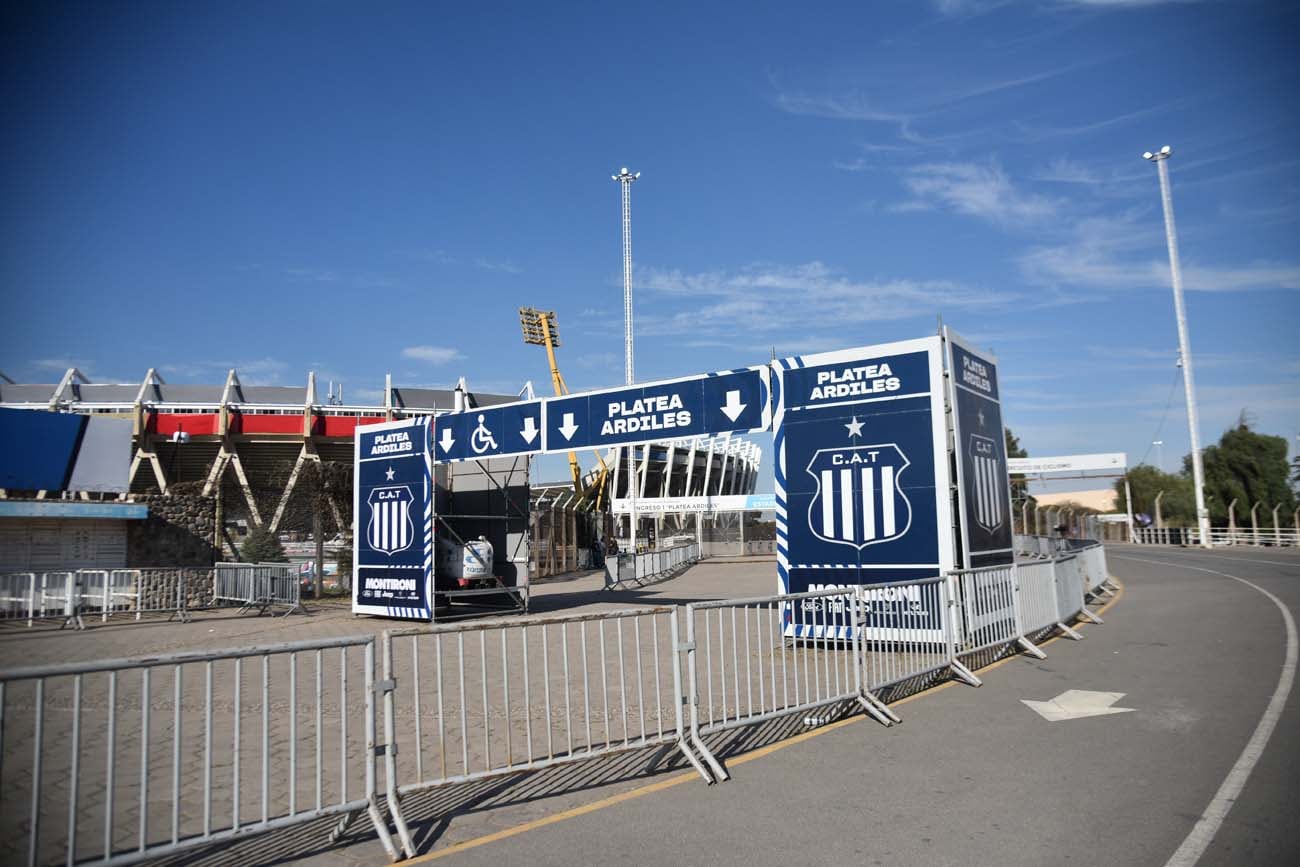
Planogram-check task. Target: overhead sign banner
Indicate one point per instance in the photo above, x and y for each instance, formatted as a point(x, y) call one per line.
point(393, 513)
point(733, 401)
point(983, 487)
point(720, 503)
point(1113, 461)
point(862, 469)
point(490, 432)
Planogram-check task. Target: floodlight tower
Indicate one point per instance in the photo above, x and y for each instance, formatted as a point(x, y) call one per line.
point(1184, 349)
point(625, 180)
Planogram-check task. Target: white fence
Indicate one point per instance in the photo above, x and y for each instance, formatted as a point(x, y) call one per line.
point(1272, 537)
point(74, 598)
point(161, 754)
point(167, 753)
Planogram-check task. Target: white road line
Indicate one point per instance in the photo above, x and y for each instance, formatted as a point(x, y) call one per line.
point(1202, 833)
point(1243, 559)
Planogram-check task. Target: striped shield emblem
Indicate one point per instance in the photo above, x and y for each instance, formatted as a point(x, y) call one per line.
point(390, 529)
point(989, 486)
point(859, 499)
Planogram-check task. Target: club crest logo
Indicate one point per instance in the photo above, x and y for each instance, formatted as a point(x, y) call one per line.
point(390, 529)
point(859, 500)
point(988, 483)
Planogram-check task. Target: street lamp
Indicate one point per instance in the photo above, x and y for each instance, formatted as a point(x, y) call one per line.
point(625, 180)
point(1184, 349)
point(1160, 454)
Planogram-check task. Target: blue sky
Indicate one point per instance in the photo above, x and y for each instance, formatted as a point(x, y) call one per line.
point(362, 188)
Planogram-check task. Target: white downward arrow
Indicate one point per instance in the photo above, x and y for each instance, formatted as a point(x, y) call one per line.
point(446, 442)
point(733, 407)
point(568, 428)
point(1077, 704)
point(529, 431)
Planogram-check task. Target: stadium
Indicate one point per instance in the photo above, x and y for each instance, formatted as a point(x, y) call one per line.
point(260, 455)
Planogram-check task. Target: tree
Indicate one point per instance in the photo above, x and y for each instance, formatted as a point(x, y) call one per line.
point(261, 547)
point(1019, 487)
point(1246, 466)
point(1177, 506)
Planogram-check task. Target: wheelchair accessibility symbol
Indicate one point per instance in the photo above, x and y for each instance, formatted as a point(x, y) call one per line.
point(482, 440)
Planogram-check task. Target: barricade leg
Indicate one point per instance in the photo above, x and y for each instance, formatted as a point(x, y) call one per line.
point(873, 706)
point(949, 607)
point(719, 773)
point(387, 686)
point(680, 698)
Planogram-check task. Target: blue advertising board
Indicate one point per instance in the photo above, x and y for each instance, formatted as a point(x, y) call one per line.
point(490, 432)
point(732, 401)
point(983, 488)
point(862, 481)
point(392, 507)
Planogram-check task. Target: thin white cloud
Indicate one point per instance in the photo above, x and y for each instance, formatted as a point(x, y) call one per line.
point(1122, 4)
point(59, 364)
point(1124, 253)
point(766, 299)
point(1063, 170)
point(432, 354)
point(505, 266)
point(977, 190)
point(312, 275)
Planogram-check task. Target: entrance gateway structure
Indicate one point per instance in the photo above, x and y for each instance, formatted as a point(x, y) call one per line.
point(890, 464)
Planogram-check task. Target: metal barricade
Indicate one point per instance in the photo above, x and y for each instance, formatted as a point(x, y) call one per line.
point(1069, 589)
point(987, 599)
point(649, 566)
point(1092, 565)
point(1036, 582)
point(156, 755)
point(477, 700)
point(43, 596)
point(907, 632)
point(752, 660)
point(18, 596)
point(257, 585)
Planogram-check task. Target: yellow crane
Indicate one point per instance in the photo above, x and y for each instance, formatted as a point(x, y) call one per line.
point(541, 329)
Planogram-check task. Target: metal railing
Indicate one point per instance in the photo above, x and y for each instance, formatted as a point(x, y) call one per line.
point(648, 566)
point(33, 596)
point(257, 585)
point(76, 597)
point(155, 755)
point(989, 607)
point(1271, 537)
point(160, 754)
point(1036, 586)
point(487, 699)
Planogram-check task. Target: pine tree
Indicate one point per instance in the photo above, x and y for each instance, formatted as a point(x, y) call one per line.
point(259, 546)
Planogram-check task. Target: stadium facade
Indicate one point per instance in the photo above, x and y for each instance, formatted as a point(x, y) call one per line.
point(247, 445)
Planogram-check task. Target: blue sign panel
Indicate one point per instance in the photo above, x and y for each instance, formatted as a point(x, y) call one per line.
point(393, 514)
point(489, 432)
point(983, 491)
point(862, 472)
point(733, 401)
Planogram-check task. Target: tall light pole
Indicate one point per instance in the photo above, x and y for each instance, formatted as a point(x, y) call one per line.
point(625, 180)
point(1160, 158)
point(1160, 454)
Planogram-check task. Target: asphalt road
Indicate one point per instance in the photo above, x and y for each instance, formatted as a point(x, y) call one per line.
point(973, 776)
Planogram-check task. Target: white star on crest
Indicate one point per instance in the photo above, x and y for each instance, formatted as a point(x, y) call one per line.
point(391, 472)
point(855, 427)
